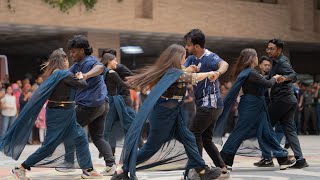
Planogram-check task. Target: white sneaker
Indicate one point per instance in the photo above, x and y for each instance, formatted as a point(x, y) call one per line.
point(109, 170)
point(19, 174)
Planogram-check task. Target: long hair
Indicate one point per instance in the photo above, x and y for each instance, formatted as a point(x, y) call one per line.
point(106, 58)
point(149, 76)
point(246, 58)
point(55, 62)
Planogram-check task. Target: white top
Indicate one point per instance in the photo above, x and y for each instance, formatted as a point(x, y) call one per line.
point(9, 101)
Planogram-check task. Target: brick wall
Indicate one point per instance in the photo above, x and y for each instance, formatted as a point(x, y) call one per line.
point(289, 20)
point(104, 40)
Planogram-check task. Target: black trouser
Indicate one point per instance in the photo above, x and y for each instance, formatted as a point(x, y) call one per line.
point(202, 128)
point(95, 118)
point(283, 113)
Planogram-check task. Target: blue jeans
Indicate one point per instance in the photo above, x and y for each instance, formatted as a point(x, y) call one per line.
point(7, 122)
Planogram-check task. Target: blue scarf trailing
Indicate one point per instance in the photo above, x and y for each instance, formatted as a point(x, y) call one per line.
point(130, 149)
point(119, 110)
point(15, 140)
point(228, 103)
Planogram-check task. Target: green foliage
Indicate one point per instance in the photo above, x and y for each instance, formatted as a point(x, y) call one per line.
point(65, 5)
point(9, 6)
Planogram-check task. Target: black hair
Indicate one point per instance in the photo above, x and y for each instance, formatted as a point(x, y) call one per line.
point(278, 42)
point(264, 58)
point(196, 36)
point(110, 51)
point(106, 58)
point(80, 41)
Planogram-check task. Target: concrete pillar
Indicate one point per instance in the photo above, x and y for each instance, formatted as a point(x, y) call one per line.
point(309, 15)
point(302, 15)
point(317, 17)
point(317, 22)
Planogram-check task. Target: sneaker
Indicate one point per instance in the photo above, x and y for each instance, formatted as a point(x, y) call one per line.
point(64, 170)
point(19, 174)
point(290, 153)
point(300, 163)
point(288, 163)
point(90, 174)
point(229, 168)
point(192, 174)
point(264, 163)
point(210, 173)
point(109, 170)
point(68, 167)
point(122, 176)
point(224, 175)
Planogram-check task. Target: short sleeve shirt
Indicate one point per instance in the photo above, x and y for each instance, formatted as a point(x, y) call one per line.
point(207, 93)
point(96, 92)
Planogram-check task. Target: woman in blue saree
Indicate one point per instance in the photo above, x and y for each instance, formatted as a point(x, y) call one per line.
point(62, 128)
point(163, 109)
point(253, 119)
point(119, 111)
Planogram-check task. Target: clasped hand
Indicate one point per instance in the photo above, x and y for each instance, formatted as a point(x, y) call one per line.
point(79, 75)
point(279, 78)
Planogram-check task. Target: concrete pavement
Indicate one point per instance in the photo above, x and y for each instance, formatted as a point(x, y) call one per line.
point(242, 169)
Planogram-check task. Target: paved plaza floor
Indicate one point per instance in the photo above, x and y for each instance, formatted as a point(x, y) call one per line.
point(243, 168)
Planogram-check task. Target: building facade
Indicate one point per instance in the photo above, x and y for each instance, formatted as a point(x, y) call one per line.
point(30, 30)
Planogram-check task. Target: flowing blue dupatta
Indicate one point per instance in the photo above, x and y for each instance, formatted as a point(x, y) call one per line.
point(15, 140)
point(228, 103)
point(130, 148)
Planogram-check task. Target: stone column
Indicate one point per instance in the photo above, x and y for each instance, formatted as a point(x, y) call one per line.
point(302, 15)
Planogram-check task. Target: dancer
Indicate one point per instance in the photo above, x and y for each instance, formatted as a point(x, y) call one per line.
point(123, 72)
point(283, 102)
point(92, 102)
point(119, 109)
point(168, 83)
point(209, 104)
point(253, 116)
point(266, 160)
point(58, 89)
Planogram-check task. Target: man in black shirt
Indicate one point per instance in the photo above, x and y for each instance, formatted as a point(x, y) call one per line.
point(265, 66)
point(283, 103)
